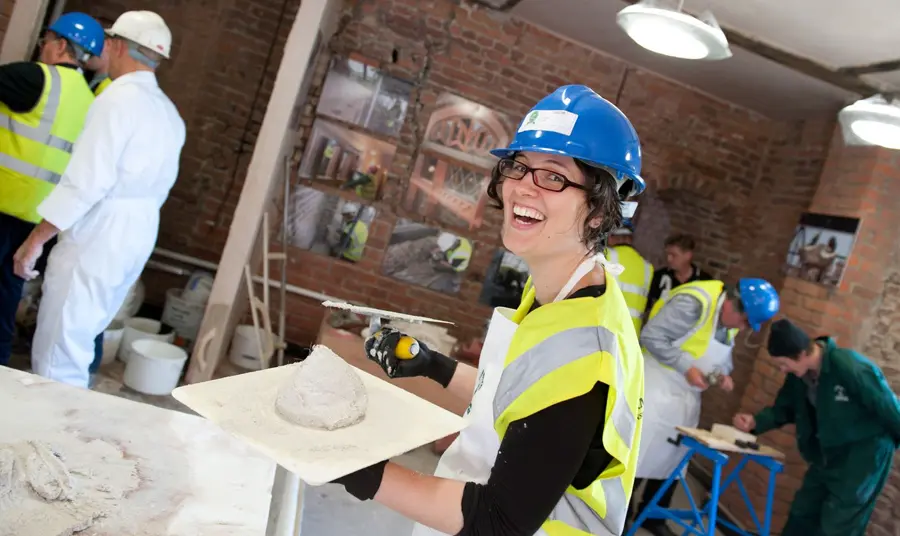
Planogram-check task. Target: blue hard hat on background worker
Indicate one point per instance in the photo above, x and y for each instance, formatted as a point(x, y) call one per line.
point(81, 30)
point(759, 300)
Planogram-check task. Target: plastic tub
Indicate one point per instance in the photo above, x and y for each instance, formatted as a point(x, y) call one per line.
point(154, 367)
point(245, 348)
point(198, 287)
point(183, 315)
point(138, 328)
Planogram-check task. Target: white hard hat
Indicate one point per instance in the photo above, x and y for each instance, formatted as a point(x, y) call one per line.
point(145, 28)
point(350, 208)
point(446, 240)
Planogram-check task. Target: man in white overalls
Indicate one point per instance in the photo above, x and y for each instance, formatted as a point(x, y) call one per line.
point(687, 344)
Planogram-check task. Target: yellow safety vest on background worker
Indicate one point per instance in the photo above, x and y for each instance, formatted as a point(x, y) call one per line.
point(35, 146)
point(709, 294)
point(102, 86)
point(462, 252)
point(559, 352)
point(359, 234)
point(634, 281)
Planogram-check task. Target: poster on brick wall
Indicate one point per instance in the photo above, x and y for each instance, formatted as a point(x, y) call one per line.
point(328, 224)
point(821, 247)
point(427, 256)
point(365, 96)
point(450, 177)
point(504, 281)
point(346, 160)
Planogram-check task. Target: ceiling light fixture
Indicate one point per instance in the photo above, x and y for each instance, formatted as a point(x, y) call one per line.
point(872, 121)
point(670, 32)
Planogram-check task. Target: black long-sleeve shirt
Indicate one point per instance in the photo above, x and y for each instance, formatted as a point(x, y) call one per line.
point(539, 457)
point(22, 83)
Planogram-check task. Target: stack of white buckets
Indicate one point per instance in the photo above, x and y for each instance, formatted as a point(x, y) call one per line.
point(155, 359)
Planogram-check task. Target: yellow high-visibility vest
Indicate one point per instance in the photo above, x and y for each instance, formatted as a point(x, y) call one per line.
point(634, 281)
point(35, 146)
point(462, 252)
point(359, 233)
point(559, 352)
point(709, 294)
point(102, 86)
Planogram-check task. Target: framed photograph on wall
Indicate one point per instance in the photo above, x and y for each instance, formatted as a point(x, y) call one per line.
point(427, 256)
point(346, 159)
point(450, 177)
point(365, 96)
point(821, 248)
point(328, 224)
point(504, 281)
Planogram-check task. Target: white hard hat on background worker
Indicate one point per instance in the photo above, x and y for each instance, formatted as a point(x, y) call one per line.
point(144, 28)
point(106, 206)
point(445, 241)
point(350, 208)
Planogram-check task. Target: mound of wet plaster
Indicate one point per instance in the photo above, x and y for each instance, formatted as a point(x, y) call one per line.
point(62, 488)
point(324, 393)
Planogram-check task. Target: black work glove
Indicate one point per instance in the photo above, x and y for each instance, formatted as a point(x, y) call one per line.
point(364, 483)
point(381, 347)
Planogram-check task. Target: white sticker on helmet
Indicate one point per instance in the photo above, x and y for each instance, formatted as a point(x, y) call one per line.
point(559, 121)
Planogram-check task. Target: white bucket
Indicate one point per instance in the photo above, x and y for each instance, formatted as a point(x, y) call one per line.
point(198, 287)
point(245, 348)
point(112, 339)
point(138, 328)
point(183, 315)
point(154, 367)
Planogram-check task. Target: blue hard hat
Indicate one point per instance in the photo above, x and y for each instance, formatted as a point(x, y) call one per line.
point(80, 29)
point(575, 121)
point(759, 300)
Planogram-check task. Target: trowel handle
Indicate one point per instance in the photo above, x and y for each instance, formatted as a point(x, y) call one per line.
point(406, 348)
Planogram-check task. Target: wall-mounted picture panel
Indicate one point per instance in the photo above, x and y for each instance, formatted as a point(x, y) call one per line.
point(363, 95)
point(345, 159)
point(450, 177)
point(427, 256)
point(328, 224)
point(504, 281)
point(821, 248)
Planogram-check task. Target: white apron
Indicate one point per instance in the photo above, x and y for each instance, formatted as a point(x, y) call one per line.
point(471, 456)
point(670, 401)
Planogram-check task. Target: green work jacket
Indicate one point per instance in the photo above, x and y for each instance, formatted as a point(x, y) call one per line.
point(853, 403)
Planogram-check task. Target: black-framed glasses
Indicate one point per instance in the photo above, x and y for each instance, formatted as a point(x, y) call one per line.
point(544, 179)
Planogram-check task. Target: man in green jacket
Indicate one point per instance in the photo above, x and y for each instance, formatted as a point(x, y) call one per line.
point(848, 426)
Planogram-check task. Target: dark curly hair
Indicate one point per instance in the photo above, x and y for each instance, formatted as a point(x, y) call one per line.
point(603, 201)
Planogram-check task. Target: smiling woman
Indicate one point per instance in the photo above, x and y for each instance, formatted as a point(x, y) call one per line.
point(555, 418)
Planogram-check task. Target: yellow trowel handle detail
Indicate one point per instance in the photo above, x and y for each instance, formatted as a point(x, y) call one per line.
point(407, 347)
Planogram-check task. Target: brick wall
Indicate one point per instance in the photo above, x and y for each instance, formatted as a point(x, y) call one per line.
point(862, 183)
point(6, 9)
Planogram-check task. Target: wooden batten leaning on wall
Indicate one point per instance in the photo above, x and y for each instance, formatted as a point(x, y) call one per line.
point(315, 22)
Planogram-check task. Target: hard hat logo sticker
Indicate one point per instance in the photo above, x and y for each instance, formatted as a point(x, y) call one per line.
point(558, 121)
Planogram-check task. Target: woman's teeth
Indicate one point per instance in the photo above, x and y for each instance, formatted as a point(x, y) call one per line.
point(527, 214)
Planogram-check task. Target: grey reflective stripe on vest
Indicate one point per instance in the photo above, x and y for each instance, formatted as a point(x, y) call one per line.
point(42, 133)
point(31, 170)
point(575, 513)
point(552, 353)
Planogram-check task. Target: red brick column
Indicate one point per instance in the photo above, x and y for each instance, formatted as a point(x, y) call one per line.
point(860, 182)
